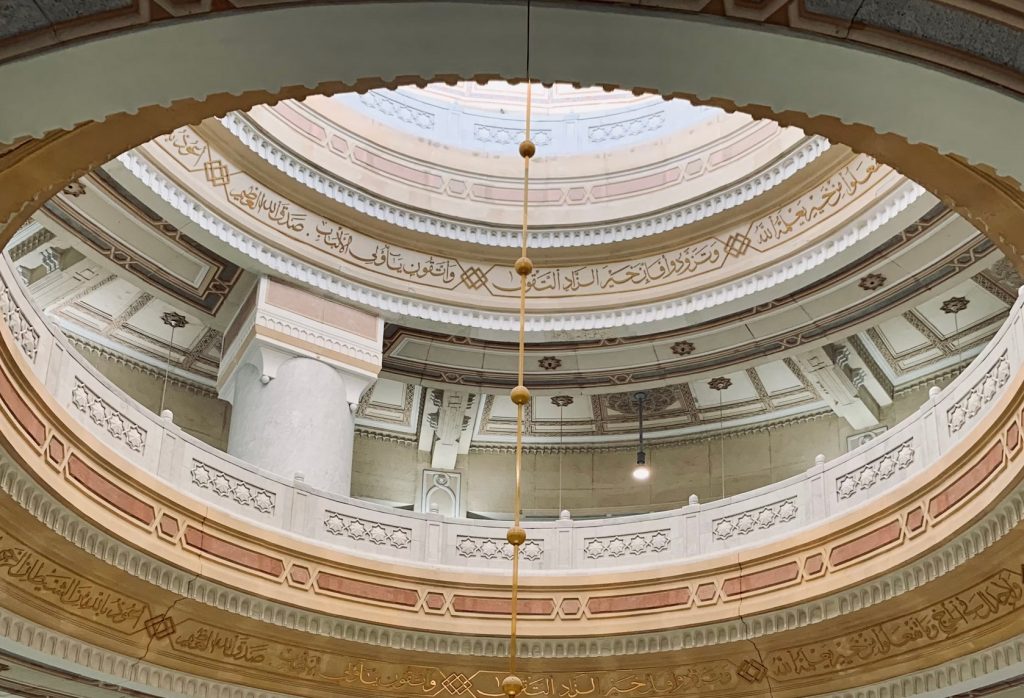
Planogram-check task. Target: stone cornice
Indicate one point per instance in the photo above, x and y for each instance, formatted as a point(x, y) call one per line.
point(276, 154)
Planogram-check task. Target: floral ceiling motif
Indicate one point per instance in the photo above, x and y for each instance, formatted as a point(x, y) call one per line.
point(682, 348)
point(954, 305)
point(720, 383)
point(656, 400)
point(872, 282)
point(549, 363)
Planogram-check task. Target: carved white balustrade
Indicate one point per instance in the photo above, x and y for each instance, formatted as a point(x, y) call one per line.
point(745, 520)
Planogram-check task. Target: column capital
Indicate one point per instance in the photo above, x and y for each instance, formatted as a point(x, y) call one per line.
point(279, 321)
point(840, 384)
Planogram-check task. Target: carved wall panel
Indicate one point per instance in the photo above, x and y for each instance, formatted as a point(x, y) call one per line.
point(627, 545)
point(755, 519)
point(383, 535)
point(882, 468)
point(223, 485)
point(103, 415)
point(982, 393)
point(497, 548)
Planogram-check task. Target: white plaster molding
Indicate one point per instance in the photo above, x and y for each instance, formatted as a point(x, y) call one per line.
point(1003, 517)
point(509, 135)
point(399, 109)
point(914, 427)
point(617, 130)
point(620, 444)
point(405, 307)
point(308, 332)
point(195, 384)
point(336, 189)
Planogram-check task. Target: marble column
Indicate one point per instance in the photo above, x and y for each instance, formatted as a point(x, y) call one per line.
point(294, 368)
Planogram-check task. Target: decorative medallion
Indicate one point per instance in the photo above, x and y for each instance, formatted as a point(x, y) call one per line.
point(562, 400)
point(549, 363)
point(720, 383)
point(172, 319)
point(683, 348)
point(74, 189)
point(872, 282)
point(954, 305)
point(655, 400)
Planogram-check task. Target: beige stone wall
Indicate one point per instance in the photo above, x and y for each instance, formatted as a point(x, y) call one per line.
point(198, 413)
point(594, 484)
point(386, 471)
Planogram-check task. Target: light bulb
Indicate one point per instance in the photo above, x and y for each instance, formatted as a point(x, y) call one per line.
point(641, 472)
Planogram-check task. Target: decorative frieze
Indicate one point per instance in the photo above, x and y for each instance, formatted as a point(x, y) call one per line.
point(103, 415)
point(24, 333)
point(867, 476)
point(486, 133)
point(690, 211)
point(625, 129)
point(965, 409)
point(439, 272)
point(220, 483)
point(627, 545)
point(420, 118)
point(755, 519)
point(374, 532)
point(497, 548)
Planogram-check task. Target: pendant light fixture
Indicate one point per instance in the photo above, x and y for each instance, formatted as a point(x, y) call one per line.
point(641, 471)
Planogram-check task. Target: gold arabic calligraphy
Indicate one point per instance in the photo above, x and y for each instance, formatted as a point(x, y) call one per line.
point(418, 680)
point(998, 596)
point(29, 570)
point(438, 271)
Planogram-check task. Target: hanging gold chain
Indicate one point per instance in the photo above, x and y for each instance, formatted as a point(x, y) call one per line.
point(512, 685)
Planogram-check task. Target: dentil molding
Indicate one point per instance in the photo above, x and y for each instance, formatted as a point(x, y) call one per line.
point(404, 307)
point(340, 191)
